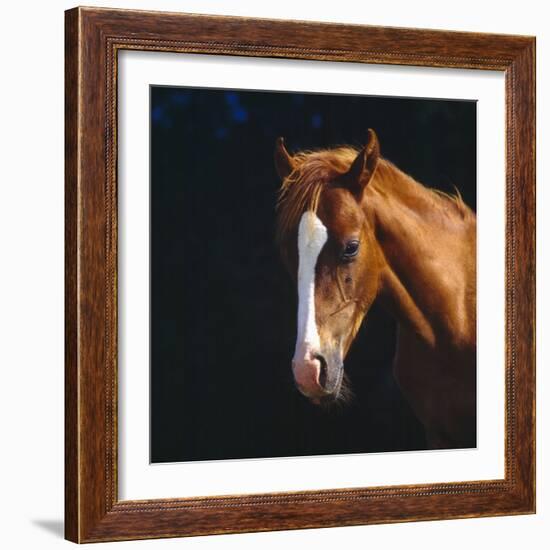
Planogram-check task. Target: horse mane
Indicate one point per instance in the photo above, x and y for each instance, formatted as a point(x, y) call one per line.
point(456, 200)
point(315, 170)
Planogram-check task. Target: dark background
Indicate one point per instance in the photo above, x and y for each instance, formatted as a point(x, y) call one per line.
point(222, 307)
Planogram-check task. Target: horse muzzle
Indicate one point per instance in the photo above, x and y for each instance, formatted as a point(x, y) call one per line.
point(318, 375)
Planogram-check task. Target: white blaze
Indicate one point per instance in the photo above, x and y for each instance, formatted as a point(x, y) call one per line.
point(312, 236)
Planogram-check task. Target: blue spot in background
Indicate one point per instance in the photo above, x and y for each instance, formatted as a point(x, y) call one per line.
point(160, 117)
point(157, 114)
point(181, 98)
point(237, 112)
point(316, 120)
point(221, 132)
point(240, 114)
point(232, 98)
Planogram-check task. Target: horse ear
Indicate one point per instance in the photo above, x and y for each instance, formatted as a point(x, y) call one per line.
point(284, 163)
point(363, 167)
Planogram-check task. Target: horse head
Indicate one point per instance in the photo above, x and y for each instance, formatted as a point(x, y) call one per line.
point(328, 245)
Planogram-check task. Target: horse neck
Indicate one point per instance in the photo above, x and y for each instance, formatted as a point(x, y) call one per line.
point(428, 249)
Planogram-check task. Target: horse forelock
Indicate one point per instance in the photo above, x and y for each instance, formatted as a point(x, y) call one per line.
point(301, 189)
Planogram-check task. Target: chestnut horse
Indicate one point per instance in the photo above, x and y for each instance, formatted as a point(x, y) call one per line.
point(353, 228)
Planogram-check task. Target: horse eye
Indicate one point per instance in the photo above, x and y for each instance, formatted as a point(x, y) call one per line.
point(351, 250)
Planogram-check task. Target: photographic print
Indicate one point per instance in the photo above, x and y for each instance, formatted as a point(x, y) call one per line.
point(313, 274)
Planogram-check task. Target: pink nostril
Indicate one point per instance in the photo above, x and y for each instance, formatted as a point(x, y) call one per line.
point(310, 373)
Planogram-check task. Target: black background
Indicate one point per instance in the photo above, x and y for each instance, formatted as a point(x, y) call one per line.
point(222, 307)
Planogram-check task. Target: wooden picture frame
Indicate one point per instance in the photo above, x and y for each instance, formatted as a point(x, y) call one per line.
point(93, 511)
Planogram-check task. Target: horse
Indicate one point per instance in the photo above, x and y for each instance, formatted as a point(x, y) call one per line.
point(353, 228)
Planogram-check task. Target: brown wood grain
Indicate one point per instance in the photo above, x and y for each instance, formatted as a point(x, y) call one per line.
point(71, 298)
point(93, 38)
